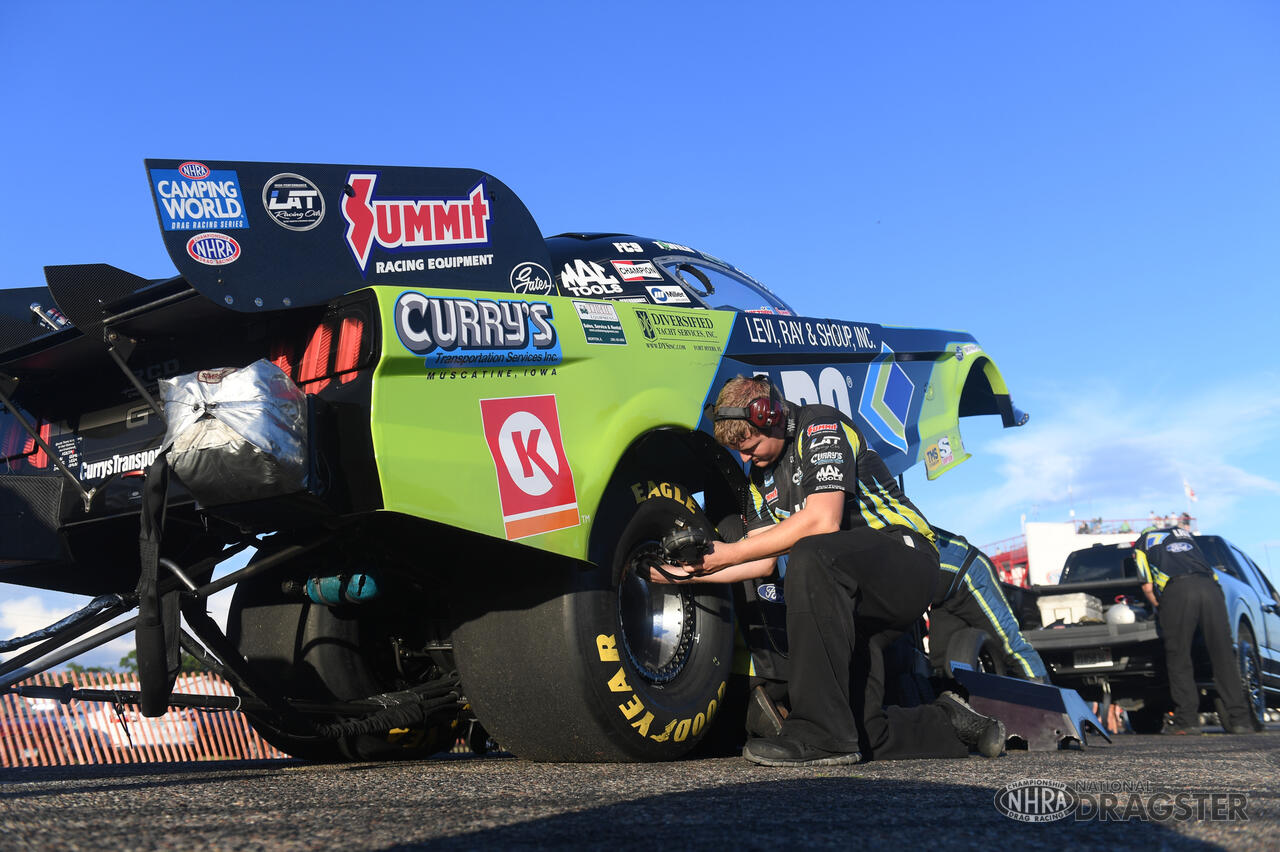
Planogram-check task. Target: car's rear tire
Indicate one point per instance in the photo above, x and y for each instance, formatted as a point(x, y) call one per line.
point(566, 664)
point(321, 653)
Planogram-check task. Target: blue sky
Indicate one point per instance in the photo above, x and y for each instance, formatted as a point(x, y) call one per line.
point(1091, 189)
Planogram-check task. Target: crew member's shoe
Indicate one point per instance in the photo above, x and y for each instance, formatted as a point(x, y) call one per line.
point(763, 718)
point(787, 751)
point(979, 732)
point(1240, 728)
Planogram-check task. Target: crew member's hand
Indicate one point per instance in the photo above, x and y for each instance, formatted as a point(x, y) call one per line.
point(711, 562)
point(682, 573)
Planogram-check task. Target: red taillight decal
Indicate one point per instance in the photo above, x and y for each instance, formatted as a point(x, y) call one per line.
point(315, 360)
point(350, 338)
point(39, 458)
point(282, 357)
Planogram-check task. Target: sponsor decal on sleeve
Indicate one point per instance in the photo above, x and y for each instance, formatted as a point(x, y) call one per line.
point(213, 249)
point(455, 331)
point(293, 202)
point(535, 484)
point(413, 223)
point(637, 270)
point(600, 323)
point(194, 197)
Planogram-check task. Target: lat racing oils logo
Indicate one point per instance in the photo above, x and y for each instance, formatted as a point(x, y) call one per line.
point(535, 484)
point(293, 202)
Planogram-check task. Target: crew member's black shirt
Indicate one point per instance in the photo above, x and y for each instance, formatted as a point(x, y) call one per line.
point(829, 453)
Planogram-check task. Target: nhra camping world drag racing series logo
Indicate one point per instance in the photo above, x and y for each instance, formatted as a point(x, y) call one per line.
point(458, 332)
point(194, 197)
point(1044, 800)
point(414, 223)
point(293, 202)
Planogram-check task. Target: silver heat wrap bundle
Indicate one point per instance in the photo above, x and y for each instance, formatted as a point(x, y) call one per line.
point(236, 434)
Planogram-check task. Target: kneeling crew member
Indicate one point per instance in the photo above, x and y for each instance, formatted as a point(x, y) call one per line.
point(862, 567)
point(1183, 589)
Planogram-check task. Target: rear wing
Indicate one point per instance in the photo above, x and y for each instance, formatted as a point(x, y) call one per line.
point(257, 237)
point(267, 236)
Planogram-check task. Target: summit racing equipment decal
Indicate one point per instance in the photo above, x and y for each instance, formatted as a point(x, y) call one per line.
point(535, 483)
point(213, 249)
point(193, 197)
point(293, 202)
point(451, 332)
point(407, 223)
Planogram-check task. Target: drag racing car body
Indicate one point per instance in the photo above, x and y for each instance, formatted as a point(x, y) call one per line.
point(473, 438)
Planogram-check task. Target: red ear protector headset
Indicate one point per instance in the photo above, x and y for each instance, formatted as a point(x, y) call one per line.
point(763, 412)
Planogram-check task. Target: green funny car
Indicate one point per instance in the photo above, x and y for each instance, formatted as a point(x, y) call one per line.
point(452, 445)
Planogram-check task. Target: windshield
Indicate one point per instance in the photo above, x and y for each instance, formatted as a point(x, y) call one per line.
point(723, 290)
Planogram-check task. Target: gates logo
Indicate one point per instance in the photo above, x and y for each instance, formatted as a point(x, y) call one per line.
point(535, 483)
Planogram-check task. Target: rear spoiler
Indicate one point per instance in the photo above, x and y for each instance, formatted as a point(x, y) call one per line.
point(256, 237)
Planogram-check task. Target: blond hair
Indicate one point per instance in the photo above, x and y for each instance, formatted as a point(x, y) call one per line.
point(738, 392)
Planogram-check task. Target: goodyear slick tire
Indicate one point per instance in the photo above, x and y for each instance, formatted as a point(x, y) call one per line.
point(975, 648)
point(551, 672)
point(318, 653)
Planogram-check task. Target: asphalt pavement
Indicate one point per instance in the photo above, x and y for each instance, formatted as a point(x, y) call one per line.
point(502, 802)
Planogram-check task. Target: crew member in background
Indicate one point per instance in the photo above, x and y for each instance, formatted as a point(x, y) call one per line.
point(968, 595)
point(862, 567)
point(1183, 589)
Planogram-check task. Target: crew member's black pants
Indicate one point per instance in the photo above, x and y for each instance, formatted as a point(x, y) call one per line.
point(849, 595)
point(1189, 601)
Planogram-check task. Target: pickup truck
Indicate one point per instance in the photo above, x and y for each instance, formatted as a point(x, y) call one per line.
point(491, 431)
point(1119, 657)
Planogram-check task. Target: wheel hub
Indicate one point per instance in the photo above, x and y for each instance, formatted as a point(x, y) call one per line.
point(657, 620)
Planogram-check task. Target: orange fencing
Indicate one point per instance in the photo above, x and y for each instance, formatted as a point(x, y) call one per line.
point(44, 732)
